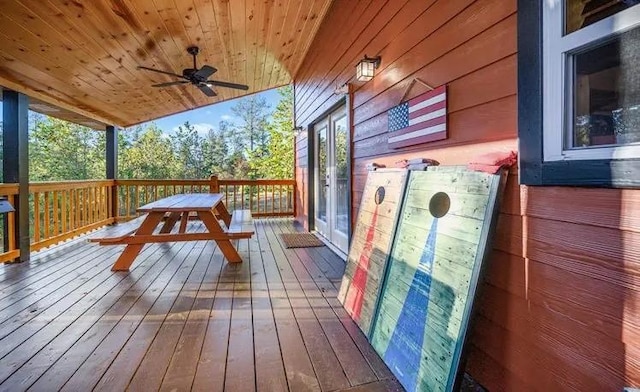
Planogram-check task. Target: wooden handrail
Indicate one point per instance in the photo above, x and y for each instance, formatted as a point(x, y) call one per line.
point(50, 186)
point(204, 182)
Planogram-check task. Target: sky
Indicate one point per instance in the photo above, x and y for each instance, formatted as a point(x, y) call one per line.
point(207, 117)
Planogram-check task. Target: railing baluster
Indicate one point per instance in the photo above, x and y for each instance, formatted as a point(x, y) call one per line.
point(54, 229)
point(63, 211)
point(11, 235)
point(258, 197)
point(36, 216)
point(98, 191)
point(46, 215)
point(127, 201)
point(92, 205)
point(72, 209)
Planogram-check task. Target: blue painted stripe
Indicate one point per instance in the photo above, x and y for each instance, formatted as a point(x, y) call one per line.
point(400, 356)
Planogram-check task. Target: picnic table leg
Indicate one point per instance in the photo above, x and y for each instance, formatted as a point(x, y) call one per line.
point(132, 250)
point(170, 222)
point(227, 248)
point(183, 222)
point(224, 213)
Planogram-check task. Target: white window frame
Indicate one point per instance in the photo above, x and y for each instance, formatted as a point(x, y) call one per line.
point(557, 89)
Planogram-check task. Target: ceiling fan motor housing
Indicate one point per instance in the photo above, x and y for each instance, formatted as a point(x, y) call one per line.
point(188, 72)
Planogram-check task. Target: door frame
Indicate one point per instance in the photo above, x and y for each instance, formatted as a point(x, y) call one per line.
point(345, 101)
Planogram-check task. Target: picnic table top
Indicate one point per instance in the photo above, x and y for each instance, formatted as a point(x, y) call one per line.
point(184, 203)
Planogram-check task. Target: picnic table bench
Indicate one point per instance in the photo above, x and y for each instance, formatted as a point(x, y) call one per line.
point(220, 226)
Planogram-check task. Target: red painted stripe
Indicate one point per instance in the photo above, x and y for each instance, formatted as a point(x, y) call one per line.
point(419, 140)
point(428, 95)
point(419, 126)
point(355, 294)
point(428, 109)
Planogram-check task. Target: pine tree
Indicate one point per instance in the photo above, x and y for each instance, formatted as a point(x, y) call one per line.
point(276, 159)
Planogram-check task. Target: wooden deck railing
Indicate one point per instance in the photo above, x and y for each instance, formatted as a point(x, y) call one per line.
point(10, 191)
point(64, 209)
point(265, 198)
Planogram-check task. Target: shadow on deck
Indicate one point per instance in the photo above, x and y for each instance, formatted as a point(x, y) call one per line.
point(182, 319)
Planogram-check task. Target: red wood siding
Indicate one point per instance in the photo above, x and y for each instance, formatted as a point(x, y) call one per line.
point(560, 309)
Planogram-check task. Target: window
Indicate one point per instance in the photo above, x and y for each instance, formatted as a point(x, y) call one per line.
point(592, 79)
point(579, 92)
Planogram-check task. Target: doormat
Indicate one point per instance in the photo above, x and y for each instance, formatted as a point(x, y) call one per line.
point(300, 240)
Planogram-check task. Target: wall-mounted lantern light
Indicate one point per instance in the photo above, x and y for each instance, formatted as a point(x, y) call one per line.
point(366, 68)
point(297, 131)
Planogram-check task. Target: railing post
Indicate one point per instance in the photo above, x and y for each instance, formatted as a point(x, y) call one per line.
point(295, 200)
point(15, 169)
point(214, 187)
point(111, 158)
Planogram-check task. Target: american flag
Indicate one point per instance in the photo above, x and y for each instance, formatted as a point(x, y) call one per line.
point(420, 120)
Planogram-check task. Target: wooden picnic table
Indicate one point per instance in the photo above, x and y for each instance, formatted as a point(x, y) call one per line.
point(207, 207)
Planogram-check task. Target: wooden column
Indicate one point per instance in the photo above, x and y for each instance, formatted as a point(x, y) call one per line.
point(15, 169)
point(111, 158)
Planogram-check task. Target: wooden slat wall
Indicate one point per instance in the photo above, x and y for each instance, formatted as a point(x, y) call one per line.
point(78, 59)
point(559, 310)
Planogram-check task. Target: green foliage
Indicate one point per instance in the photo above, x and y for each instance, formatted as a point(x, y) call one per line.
point(146, 153)
point(259, 145)
point(59, 150)
point(276, 159)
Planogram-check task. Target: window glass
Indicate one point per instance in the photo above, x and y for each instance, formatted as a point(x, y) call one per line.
point(322, 174)
point(606, 93)
point(342, 173)
point(582, 13)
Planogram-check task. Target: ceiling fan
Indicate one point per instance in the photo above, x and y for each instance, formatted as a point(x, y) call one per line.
point(197, 77)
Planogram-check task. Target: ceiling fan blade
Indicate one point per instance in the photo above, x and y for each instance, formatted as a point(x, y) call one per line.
point(162, 72)
point(227, 84)
point(167, 84)
point(204, 72)
point(207, 90)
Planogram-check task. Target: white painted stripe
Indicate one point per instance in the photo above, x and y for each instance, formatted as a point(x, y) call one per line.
point(427, 102)
point(428, 116)
point(418, 133)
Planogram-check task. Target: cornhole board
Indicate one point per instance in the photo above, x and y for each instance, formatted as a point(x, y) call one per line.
point(435, 263)
point(370, 244)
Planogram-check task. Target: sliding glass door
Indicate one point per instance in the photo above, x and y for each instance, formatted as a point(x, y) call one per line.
point(331, 173)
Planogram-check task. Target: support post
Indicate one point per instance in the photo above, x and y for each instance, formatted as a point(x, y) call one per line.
point(111, 158)
point(15, 169)
point(214, 187)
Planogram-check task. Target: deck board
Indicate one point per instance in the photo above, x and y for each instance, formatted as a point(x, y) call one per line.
point(181, 319)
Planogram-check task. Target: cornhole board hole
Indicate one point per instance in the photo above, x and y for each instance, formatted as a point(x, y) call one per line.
point(370, 244)
point(434, 268)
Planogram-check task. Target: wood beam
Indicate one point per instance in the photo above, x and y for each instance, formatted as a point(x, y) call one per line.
point(15, 168)
point(111, 158)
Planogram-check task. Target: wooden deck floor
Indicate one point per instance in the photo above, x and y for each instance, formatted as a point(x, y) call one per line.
point(183, 319)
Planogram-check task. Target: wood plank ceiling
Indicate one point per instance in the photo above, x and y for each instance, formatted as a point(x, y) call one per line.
point(77, 59)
